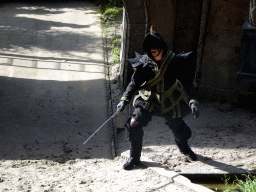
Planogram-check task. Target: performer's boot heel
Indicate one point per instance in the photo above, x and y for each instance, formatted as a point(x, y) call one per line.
point(131, 162)
point(186, 150)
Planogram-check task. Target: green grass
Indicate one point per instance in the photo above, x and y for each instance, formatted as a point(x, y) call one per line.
point(248, 184)
point(114, 49)
point(110, 12)
point(111, 15)
point(113, 42)
point(115, 52)
point(227, 185)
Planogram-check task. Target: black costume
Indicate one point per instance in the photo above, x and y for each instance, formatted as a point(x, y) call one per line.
point(165, 88)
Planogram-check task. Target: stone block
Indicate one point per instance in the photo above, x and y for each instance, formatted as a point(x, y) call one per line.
point(135, 11)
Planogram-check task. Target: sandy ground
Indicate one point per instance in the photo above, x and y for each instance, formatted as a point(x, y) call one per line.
point(81, 175)
point(224, 142)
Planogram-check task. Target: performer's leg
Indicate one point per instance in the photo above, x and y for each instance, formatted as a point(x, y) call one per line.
point(182, 133)
point(134, 125)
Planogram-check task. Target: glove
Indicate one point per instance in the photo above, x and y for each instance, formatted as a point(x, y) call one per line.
point(121, 105)
point(195, 109)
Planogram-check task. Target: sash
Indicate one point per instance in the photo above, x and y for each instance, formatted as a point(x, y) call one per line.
point(164, 65)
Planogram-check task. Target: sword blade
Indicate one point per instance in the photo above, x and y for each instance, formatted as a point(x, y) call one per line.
point(101, 126)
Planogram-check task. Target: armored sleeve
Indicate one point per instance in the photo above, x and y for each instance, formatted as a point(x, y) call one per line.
point(136, 81)
point(187, 75)
point(142, 72)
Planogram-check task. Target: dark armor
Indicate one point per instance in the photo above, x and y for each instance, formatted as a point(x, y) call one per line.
point(163, 88)
point(168, 88)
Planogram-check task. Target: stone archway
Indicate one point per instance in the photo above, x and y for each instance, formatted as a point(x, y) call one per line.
point(177, 21)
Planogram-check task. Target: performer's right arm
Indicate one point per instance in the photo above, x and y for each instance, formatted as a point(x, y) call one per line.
point(137, 80)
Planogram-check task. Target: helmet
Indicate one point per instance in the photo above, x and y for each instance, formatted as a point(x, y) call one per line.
point(153, 40)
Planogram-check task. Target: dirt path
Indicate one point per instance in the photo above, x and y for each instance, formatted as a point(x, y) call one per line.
point(81, 175)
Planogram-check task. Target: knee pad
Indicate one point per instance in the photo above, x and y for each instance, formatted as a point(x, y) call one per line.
point(134, 122)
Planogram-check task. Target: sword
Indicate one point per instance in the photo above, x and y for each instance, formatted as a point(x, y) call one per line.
point(102, 126)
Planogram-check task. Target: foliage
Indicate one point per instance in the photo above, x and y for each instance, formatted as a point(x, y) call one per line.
point(115, 52)
point(112, 13)
point(114, 48)
point(118, 3)
point(113, 42)
point(249, 185)
point(110, 9)
point(225, 180)
point(246, 185)
point(102, 4)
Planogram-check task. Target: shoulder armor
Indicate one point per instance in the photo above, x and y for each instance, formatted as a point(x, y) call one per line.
point(187, 60)
point(185, 55)
point(139, 60)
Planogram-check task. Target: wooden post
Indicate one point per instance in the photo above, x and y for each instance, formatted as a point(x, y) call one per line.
point(205, 10)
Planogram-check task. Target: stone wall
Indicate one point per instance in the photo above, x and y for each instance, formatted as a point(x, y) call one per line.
point(136, 25)
point(161, 14)
point(187, 24)
point(222, 47)
point(178, 21)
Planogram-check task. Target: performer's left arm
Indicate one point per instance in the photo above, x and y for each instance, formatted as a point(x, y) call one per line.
point(187, 80)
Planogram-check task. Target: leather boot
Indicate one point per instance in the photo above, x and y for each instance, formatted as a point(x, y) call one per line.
point(130, 163)
point(186, 150)
point(135, 138)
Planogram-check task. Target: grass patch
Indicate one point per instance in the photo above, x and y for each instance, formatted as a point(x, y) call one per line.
point(115, 52)
point(110, 12)
point(114, 49)
point(114, 14)
point(247, 184)
point(110, 16)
